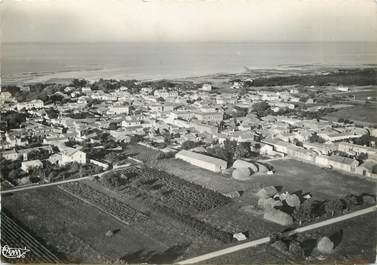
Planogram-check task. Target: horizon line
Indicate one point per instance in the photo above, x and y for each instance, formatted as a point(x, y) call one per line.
point(188, 42)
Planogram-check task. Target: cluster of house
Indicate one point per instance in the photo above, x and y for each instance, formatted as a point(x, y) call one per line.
point(189, 115)
point(324, 155)
point(64, 156)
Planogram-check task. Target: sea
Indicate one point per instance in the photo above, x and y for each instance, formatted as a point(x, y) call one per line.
point(33, 62)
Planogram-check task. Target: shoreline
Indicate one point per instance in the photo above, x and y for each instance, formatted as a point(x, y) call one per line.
point(121, 74)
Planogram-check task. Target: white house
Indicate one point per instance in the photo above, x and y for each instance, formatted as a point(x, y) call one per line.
point(342, 89)
point(37, 103)
point(130, 122)
point(209, 116)
point(165, 93)
point(27, 165)
point(206, 87)
point(70, 155)
point(99, 163)
point(10, 154)
point(118, 109)
point(337, 162)
point(203, 161)
point(86, 90)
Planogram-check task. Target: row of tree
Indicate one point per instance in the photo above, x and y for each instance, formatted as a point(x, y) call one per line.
point(231, 151)
point(312, 209)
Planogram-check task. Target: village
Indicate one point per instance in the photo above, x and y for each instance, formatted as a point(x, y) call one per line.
point(263, 123)
point(226, 142)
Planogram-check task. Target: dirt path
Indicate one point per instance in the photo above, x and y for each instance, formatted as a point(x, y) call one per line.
point(265, 240)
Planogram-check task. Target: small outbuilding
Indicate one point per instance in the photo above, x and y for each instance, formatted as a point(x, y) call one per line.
point(27, 165)
point(278, 217)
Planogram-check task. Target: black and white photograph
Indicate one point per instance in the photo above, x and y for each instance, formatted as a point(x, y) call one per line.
point(188, 131)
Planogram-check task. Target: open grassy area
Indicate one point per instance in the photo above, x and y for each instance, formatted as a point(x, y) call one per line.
point(322, 183)
point(292, 175)
point(362, 113)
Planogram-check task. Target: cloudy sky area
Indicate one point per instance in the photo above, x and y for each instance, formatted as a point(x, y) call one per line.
point(188, 20)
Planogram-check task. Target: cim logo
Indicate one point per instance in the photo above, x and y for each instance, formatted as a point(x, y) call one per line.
point(14, 253)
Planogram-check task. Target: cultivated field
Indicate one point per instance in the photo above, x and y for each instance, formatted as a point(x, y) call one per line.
point(174, 197)
point(113, 207)
point(15, 236)
point(77, 230)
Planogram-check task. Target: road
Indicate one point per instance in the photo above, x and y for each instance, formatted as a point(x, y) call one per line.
point(211, 255)
point(61, 182)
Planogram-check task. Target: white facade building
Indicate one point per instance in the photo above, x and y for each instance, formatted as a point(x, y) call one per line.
point(203, 161)
point(37, 103)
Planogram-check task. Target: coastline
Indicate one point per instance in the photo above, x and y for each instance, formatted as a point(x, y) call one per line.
point(124, 74)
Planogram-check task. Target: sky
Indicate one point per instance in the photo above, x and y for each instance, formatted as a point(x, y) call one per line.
point(188, 20)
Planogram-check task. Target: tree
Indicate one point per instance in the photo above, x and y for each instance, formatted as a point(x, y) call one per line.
point(314, 138)
point(257, 146)
point(303, 214)
point(361, 157)
point(113, 126)
point(349, 201)
point(242, 150)
point(297, 142)
point(229, 149)
point(333, 207)
point(15, 173)
point(112, 180)
point(57, 97)
point(225, 152)
point(261, 107)
point(40, 154)
point(13, 119)
point(366, 139)
point(189, 144)
point(79, 82)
